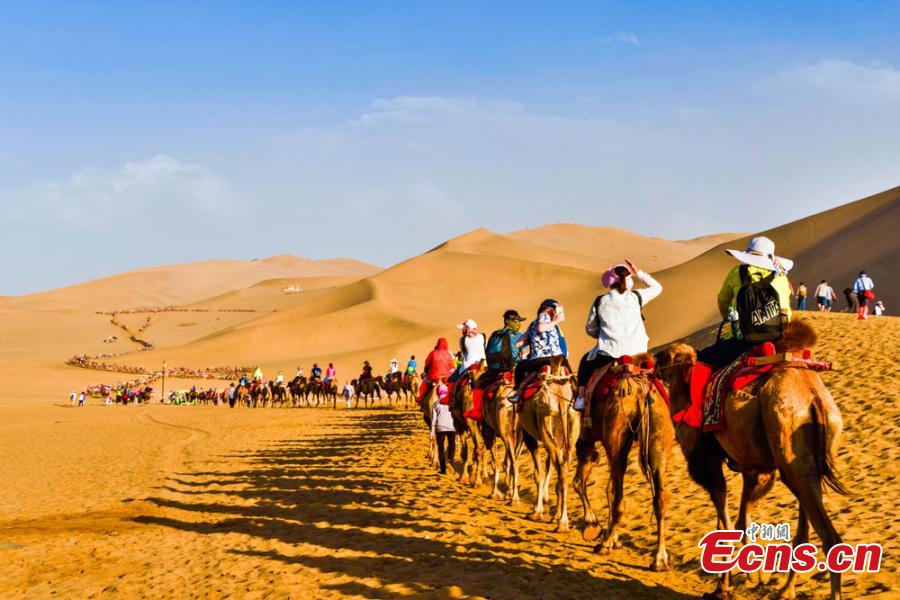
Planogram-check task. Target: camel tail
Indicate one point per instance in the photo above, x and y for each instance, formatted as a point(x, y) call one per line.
point(824, 457)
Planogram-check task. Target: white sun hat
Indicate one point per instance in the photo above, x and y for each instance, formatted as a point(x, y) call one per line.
point(761, 253)
point(468, 323)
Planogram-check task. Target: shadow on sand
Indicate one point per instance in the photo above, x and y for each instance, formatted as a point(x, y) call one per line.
point(330, 491)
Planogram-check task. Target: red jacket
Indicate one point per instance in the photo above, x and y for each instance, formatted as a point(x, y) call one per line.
point(439, 363)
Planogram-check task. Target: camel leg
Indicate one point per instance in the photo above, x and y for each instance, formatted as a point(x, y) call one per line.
point(660, 454)
point(466, 457)
point(801, 537)
point(556, 456)
point(478, 461)
point(513, 446)
point(808, 489)
point(587, 459)
point(492, 450)
point(705, 467)
point(617, 451)
point(537, 511)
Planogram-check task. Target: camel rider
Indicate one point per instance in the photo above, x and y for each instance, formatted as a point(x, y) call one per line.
point(330, 373)
point(315, 375)
point(299, 373)
point(393, 370)
point(471, 345)
point(279, 379)
point(438, 366)
point(411, 367)
point(257, 374)
point(616, 320)
point(502, 354)
point(542, 341)
point(754, 302)
point(366, 372)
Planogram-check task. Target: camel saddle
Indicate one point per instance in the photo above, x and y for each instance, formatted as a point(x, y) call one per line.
point(750, 369)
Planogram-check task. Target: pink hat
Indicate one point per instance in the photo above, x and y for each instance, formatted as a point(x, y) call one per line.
point(610, 277)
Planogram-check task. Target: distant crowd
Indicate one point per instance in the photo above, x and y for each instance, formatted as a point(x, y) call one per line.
point(859, 297)
point(171, 308)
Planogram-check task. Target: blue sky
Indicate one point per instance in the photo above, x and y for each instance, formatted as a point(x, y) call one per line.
point(142, 133)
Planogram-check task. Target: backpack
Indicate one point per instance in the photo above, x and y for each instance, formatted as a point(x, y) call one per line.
point(758, 308)
point(500, 352)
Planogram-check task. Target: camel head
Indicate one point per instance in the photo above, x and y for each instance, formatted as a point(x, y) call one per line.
point(673, 366)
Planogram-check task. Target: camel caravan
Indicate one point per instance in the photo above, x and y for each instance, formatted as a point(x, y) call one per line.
point(752, 401)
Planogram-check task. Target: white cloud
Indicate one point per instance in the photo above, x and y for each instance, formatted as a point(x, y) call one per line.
point(843, 78)
point(621, 37)
point(93, 195)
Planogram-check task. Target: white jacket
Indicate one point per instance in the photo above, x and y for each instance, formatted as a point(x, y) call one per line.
point(474, 350)
point(441, 419)
point(615, 320)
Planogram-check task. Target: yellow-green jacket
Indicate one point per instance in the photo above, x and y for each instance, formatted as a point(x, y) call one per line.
point(728, 293)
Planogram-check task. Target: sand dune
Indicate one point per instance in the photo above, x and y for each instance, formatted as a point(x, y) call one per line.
point(186, 283)
point(345, 313)
point(328, 504)
point(833, 244)
point(401, 310)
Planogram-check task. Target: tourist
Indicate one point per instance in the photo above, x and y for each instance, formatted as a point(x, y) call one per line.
point(443, 431)
point(542, 341)
point(801, 296)
point(348, 393)
point(616, 320)
point(852, 300)
point(879, 308)
point(824, 296)
point(863, 287)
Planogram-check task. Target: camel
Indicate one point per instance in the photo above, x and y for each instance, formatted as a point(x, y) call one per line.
point(368, 388)
point(330, 391)
point(278, 392)
point(501, 420)
point(632, 410)
point(411, 385)
point(242, 396)
point(549, 418)
point(391, 386)
point(790, 425)
point(298, 389)
point(468, 430)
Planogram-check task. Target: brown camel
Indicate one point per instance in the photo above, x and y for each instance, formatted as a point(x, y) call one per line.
point(369, 388)
point(468, 430)
point(549, 418)
point(789, 424)
point(501, 420)
point(633, 409)
point(411, 388)
point(393, 385)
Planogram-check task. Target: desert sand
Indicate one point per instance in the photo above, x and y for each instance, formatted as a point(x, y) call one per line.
point(177, 502)
point(164, 501)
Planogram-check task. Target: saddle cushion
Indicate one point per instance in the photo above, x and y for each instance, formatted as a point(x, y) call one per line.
point(736, 376)
point(475, 412)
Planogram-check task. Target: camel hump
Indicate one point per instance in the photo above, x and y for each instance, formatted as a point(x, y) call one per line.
point(797, 335)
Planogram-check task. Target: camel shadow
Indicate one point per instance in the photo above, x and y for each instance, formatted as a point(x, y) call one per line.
point(367, 524)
